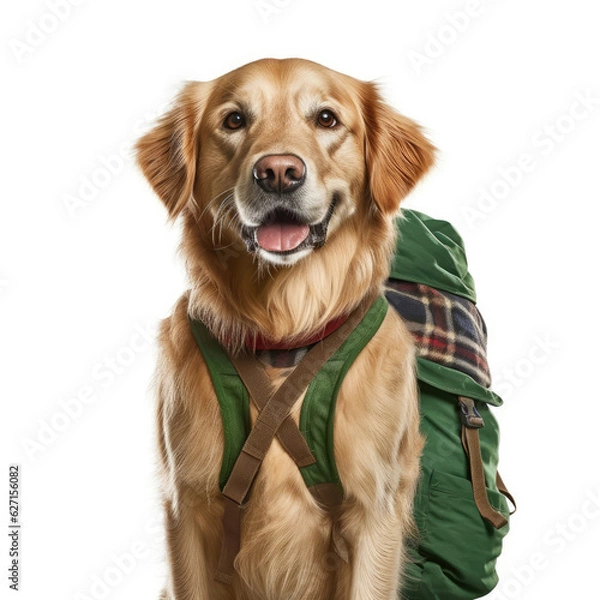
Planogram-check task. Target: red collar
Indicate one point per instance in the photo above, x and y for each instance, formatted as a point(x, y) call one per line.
point(259, 342)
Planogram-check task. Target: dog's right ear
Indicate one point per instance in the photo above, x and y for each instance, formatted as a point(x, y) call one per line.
point(168, 153)
point(396, 151)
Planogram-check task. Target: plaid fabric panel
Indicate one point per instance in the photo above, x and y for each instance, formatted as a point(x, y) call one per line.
point(447, 329)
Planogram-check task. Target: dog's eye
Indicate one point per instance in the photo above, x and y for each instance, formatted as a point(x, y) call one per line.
point(234, 120)
point(326, 118)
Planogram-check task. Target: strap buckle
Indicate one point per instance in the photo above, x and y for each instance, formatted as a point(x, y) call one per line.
point(469, 415)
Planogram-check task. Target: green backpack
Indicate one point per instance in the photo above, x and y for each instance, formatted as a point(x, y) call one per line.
point(460, 508)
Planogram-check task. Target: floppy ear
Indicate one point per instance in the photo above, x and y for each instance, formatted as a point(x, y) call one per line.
point(167, 154)
point(397, 152)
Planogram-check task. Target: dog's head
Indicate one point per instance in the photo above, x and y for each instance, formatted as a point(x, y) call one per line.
point(279, 154)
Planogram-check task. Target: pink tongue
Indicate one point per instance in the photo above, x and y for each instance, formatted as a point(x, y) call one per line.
point(279, 238)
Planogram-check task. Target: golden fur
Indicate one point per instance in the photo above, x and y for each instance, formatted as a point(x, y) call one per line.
point(202, 171)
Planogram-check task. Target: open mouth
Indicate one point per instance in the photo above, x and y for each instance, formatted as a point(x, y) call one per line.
point(284, 232)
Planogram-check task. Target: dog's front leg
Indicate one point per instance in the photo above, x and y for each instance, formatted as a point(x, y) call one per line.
point(378, 445)
point(374, 537)
point(377, 521)
point(190, 442)
point(191, 570)
point(192, 509)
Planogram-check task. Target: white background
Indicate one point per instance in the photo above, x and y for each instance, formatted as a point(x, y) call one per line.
point(78, 282)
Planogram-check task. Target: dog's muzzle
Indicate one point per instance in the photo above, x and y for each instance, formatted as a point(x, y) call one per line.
point(283, 232)
point(283, 229)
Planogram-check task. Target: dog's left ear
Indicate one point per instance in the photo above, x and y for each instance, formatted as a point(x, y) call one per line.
point(397, 152)
point(168, 153)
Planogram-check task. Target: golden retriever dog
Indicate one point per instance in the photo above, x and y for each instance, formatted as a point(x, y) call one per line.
point(286, 177)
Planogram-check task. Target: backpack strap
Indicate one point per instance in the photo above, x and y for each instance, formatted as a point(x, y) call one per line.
point(472, 422)
point(328, 495)
point(258, 385)
point(504, 491)
point(234, 403)
point(276, 407)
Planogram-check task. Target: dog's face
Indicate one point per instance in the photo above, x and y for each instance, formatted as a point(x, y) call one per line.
point(280, 154)
point(287, 143)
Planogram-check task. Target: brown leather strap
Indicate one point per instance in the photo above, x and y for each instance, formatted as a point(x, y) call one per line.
point(472, 422)
point(259, 387)
point(275, 411)
point(504, 491)
point(471, 437)
point(327, 495)
point(232, 521)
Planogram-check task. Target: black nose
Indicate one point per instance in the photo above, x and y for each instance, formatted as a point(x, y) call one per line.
point(281, 173)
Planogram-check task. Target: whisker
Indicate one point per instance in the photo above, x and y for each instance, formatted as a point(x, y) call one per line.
point(217, 198)
point(225, 215)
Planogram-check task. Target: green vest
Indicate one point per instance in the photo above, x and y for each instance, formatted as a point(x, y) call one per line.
point(318, 408)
